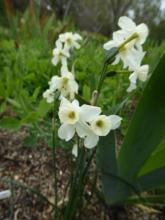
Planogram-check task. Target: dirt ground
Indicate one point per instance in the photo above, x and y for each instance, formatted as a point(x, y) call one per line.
point(32, 167)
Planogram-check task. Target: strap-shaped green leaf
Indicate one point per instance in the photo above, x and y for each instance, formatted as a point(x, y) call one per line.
point(157, 160)
point(151, 180)
point(147, 128)
point(113, 185)
point(106, 161)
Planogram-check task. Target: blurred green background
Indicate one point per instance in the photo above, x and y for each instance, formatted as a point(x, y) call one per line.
point(28, 30)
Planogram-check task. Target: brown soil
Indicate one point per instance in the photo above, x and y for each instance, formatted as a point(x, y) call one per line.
point(32, 167)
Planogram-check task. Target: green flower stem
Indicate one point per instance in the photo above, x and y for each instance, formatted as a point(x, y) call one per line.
point(101, 80)
point(76, 185)
point(54, 162)
point(102, 76)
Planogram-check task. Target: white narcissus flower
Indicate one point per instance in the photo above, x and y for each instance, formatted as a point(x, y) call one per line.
point(60, 54)
point(65, 83)
point(49, 95)
point(101, 126)
point(74, 118)
point(129, 40)
point(69, 111)
point(131, 53)
point(70, 40)
point(86, 121)
point(69, 116)
point(129, 27)
point(139, 73)
point(128, 54)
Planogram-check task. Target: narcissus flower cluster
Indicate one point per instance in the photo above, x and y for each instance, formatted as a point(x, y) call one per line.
point(86, 121)
point(131, 52)
point(65, 83)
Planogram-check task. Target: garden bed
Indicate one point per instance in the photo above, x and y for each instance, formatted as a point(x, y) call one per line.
point(32, 169)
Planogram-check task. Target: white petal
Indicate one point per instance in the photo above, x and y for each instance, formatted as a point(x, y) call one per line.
point(75, 150)
point(65, 51)
point(117, 60)
point(89, 112)
point(119, 37)
point(136, 57)
point(55, 83)
point(50, 99)
point(73, 86)
point(49, 95)
point(131, 87)
point(143, 72)
point(77, 37)
point(66, 131)
point(55, 51)
point(64, 69)
point(64, 61)
point(75, 103)
point(59, 44)
point(55, 60)
point(132, 58)
point(64, 102)
point(133, 77)
point(76, 45)
point(142, 30)
point(115, 121)
point(62, 37)
point(91, 141)
point(109, 45)
point(126, 23)
point(82, 129)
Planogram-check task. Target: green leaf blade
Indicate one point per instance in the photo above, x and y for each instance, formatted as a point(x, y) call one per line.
point(147, 128)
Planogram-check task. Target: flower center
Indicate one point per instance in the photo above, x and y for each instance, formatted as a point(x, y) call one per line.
point(99, 123)
point(61, 54)
point(51, 94)
point(69, 41)
point(65, 81)
point(72, 115)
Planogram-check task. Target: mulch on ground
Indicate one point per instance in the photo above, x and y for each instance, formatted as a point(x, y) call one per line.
point(33, 167)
